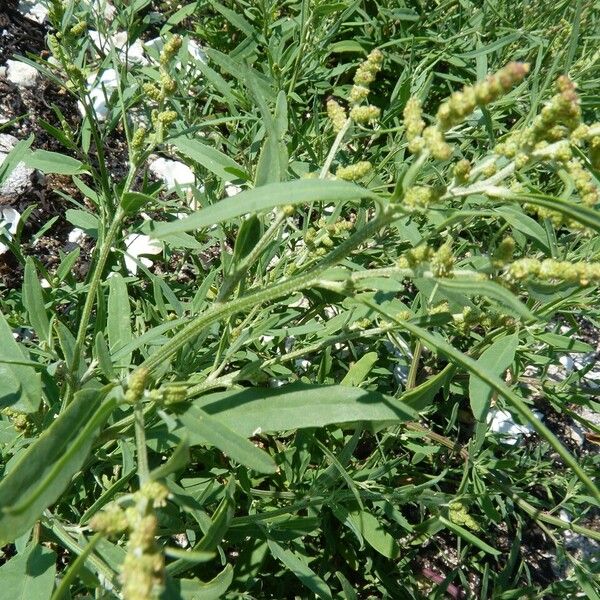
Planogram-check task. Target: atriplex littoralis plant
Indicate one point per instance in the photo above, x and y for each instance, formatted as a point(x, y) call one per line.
point(147, 377)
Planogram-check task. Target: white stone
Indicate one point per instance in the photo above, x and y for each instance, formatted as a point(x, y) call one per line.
point(137, 244)
point(173, 173)
point(194, 50)
point(302, 364)
point(104, 8)
point(132, 54)
point(567, 362)
point(76, 235)
point(9, 221)
point(231, 189)
point(502, 422)
point(100, 90)
point(36, 11)
point(401, 374)
point(20, 176)
point(21, 74)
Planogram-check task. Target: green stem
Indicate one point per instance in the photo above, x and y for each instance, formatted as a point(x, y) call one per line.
point(232, 280)
point(106, 574)
point(334, 148)
point(501, 388)
point(62, 591)
point(260, 296)
point(105, 250)
point(140, 444)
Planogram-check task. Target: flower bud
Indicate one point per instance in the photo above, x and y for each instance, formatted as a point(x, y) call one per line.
point(354, 172)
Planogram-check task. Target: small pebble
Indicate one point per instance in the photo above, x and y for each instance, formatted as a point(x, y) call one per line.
point(21, 74)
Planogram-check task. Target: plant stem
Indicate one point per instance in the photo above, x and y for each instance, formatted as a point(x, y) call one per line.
point(105, 250)
point(262, 295)
point(140, 444)
point(334, 148)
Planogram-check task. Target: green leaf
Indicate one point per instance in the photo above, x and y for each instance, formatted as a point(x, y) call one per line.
point(205, 429)
point(521, 222)
point(210, 158)
point(177, 460)
point(370, 529)
point(466, 535)
point(496, 359)
point(490, 289)
point(301, 570)
point(20, 385)
point(296, 406)
point(265, 198)
point(131, 202)
point(33, 301)
point(45, 469)
point(119, 318)
point(358, 372)
point(84, 220)
point(14, 157)
point(582, 214)
point(29, 575)
point(53, 162)
point(194, 589)
point(219, 524)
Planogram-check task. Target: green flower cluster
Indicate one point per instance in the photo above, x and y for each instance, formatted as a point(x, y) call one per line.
point(442, 261)
point(456, 108)
point(420, 197)
point(324, 236)
point(142, 571)
point(460, 105)
point(354, 172)
point(166, 85)
point(473, 317)
point(414, 124)
point(582, 273)
point(136, 385)
point(457, 513)
point(337, 114)
point(364, 76)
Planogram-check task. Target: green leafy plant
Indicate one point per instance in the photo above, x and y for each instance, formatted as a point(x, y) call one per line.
point(295, 399)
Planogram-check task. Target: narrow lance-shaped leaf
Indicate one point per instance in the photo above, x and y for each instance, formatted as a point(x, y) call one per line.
point(265, 198)
point(489, 289)
point(46, 468)
point(20, 385)
point(210, 158)
point(496, 359)
point(297, 406)
point(119, 317)
point(206, 429)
